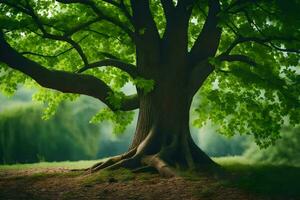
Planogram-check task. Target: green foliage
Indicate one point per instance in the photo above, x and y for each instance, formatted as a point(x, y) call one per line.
point(119, 119)
point(268, 180)
point(255, 100)
point(24, 137)
point(72, 116)
point(52, 100)
point(286, 151)
point(242, 99)
point(145, 85)
point(238, 107)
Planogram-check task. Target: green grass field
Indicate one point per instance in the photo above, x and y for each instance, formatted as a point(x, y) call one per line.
point(271, 180)
point(64, 164)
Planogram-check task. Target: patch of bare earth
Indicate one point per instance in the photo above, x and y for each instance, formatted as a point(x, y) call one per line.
point(63, 184)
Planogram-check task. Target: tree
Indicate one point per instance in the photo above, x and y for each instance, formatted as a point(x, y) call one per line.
point(244, 55)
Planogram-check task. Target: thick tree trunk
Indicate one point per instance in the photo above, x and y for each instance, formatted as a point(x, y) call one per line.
point(162, 139)
point(163, 128)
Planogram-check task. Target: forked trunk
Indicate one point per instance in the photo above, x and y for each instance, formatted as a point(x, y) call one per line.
point(162, 139)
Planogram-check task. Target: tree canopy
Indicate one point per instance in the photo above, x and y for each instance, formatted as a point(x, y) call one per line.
point(89, 47)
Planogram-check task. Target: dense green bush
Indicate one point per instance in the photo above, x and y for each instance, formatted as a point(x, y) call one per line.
point(286, 150)
point(25, 137)
point(68, 135)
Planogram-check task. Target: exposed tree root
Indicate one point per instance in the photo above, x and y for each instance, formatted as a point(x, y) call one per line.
point(138, 163)
point(161, 166)
point(113, 161)
point(165, 159)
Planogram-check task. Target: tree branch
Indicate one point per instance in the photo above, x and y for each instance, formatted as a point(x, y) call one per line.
point(236, 57)
point(129, 68)
point(101, 15)
point(168, 8)
point(29, 11)
point(120, 6)
point(198, 75)
point(267, 41)
point(208, 40)
point(63, 81)
point(144, 23)
point(105, 35)
point(81, 27)
point(51, 56)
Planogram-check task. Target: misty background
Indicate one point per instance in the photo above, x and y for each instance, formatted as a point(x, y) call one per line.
point(26, 138)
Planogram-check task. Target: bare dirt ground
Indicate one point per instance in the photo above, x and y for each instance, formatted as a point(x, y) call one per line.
point(61, 183)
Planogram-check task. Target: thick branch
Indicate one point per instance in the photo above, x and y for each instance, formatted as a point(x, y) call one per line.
point(147, 38)
point(129, 68)
point(60, 80)
point(198, 75)
point(208, 40)
point(144, 23)
point(168, 7)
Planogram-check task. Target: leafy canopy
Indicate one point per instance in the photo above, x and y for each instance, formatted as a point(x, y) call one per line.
point(254, 88)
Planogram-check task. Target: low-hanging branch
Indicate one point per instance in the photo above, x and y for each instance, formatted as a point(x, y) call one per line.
point(126, 67)
point(63, 81)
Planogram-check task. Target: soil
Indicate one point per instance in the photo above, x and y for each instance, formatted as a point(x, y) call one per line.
point(61, 183)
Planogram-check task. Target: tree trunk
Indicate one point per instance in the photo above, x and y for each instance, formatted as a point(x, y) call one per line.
point(162, 139)
point(163, 128)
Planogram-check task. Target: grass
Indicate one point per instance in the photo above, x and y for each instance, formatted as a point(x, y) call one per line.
point(262, 179)
point(66, 164)
point(87, 163)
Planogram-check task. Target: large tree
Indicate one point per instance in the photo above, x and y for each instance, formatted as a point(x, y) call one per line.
point(242, 57)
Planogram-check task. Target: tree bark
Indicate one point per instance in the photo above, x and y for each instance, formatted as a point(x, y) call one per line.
point(162, 138)
point(163, 129)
